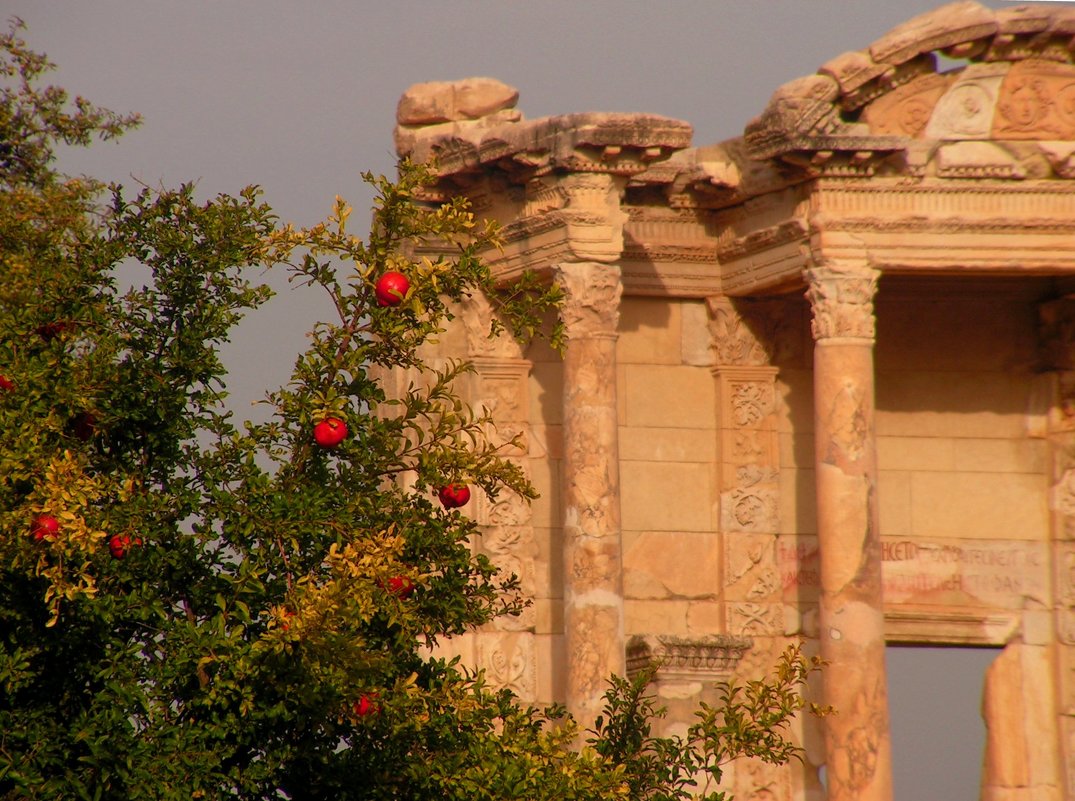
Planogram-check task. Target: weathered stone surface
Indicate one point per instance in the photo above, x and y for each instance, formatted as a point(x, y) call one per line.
point(452, 101)
point(1018, 690)
point(592, 546)
point(852, 69)
point(943, 27)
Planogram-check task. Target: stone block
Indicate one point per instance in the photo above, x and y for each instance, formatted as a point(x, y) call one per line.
point(795, 401)
point(649, 332)
point(546, 508)
point(669, 397)
point(983, 505)
point(549, 567)
point(671, 564)
point(548, 616)
point(796, 449)
point(949, 404)
point(894, 503)
point(667, 444)
point(798, 567)
point(696, 342)
point(646, 617)
point(550, 659)
point(915, 453)
point(666, 496)
point(1017, 707)
point(546, 442)
point(921, 333)
point(705, 617)
point(797, 502)
point(1001, 455)
point(546, 393)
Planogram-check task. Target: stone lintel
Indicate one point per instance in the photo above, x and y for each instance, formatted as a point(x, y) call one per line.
point(938, 227)
point(992, 627)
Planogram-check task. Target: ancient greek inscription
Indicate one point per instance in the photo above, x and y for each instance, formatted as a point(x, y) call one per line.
point(946, 572)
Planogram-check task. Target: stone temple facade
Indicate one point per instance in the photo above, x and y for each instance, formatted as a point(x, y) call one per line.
point(819, 383)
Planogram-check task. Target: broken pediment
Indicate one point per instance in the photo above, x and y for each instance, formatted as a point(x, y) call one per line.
point(1018, 84)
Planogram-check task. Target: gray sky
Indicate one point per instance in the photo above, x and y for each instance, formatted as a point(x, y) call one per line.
point(300, 98)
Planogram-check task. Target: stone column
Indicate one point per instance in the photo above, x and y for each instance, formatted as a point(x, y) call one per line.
point(593, 576)
point(857, 739)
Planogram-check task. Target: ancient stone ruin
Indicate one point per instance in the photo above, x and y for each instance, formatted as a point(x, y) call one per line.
point(819, 382)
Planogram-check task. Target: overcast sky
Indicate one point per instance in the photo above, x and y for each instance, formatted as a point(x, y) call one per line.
point(300, 98)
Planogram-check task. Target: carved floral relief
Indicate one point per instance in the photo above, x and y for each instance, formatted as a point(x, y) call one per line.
point(841, 297)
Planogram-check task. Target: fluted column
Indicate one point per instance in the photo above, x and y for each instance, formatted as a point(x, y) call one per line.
point(593, 578)
point(858, 742)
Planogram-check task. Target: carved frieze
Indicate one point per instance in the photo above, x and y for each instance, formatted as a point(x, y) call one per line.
point(711, 658)
point(1036, 101)
point(906, 111)
point(841, 298)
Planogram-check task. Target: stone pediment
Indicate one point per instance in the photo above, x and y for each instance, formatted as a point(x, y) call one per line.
point(877, 108)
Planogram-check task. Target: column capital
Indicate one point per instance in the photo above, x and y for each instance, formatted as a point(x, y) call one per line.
point(841, 296)
point(591, 306)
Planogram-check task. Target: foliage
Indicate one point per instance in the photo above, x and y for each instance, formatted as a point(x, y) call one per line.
point(752, 720)
point(229, 610)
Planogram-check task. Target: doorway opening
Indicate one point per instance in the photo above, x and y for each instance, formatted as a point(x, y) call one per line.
point(938, 736)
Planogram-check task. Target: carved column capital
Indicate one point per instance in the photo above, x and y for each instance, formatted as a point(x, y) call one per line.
point(841, 296)
point(593, 215)
point(591, 307)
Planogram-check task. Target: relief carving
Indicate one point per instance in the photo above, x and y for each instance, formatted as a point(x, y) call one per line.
point(751, 568)
point(510, 663)
point(1064, 494)
point(841, 297)
point(1037, 101)
point(735, 339)
point(750, 506)
point(907, 110)
point(597, 630)
point(756, 781)
point(756, 619)
point(751, 402)
point(753, 333)
point(592, 294)
point(478, 321)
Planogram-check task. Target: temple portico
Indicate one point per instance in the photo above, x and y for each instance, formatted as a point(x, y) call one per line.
point(818, 385)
